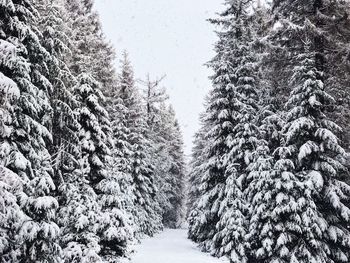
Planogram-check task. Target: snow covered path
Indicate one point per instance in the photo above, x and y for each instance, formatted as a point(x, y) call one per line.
point(171, 246)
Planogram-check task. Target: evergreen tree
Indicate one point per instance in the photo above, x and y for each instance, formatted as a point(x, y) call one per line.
point(11, 214)
point(218, 120)
point(300, 207)
point(335, 23)
point(24, 137)
point(167, 155)
point(78, 217)
point(179, 170)
point(77, 199)
point(109, 223)
point(122, 150)
point(175, 174)
point(120, 164)
point(300, 213)
point(232, 111)
point(91, 52)
point(54, 25)
point(81, 212)
point(232, 227)
point(119, 186)
point(11, 184)
point(155, 98)
point(196, 168)
point(146, 212)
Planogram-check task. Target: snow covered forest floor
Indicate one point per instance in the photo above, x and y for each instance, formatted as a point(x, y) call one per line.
point(171, 246)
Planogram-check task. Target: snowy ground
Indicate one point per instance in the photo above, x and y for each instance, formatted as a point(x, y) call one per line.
point(171, 246)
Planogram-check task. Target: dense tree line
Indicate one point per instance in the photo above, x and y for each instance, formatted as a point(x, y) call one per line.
point(269, 177)
point(88, 163)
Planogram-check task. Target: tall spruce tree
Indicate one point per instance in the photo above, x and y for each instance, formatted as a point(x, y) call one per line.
point(179, 171)
point(194, 169)
point(155, 98)
point(95, 54)
point(146, 212)
point(196, 166)
point(301, 207)
point(168, 160)
point(12, 217)
point(218, 119)
point(56, 38)
point(232, 111)
point(25, 95)
point(109, 226)
point(11, 183)
point(76, 198)
point(335, 23)
point(175, 175)
point(122, 150)
point(120, 164)
point(232, 227)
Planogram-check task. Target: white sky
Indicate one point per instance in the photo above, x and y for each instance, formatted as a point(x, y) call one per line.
point(169, 37)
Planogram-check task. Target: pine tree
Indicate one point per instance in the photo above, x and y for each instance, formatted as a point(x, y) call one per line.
point(335, 29)
point(111, 222)
point(11, 184)
point(122, 150)
point(197, 213)
point(11, 215)
point(146, 212)
point(78, 217)
point(155, 99)
point(54, 25)
point(301, 208)
point(108, 223)
point(10, 212)
point(196, 168)
point(175, 174)
point(25, 93)
point(81, 211)
point(219, 122)
point(91, 51)
point(167, 155)
point(232, 111)
point(230, 238)
point(119, 201)
point(77, 199)
point(179, 171)
point(296, 215)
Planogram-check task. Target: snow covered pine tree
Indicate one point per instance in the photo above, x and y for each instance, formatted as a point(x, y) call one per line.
point(290, 205)
point(146, 213)
point(301, 212)
point(24, 138)
point(233, 107)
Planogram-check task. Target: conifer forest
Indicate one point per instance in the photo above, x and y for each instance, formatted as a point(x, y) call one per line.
point(93, 166)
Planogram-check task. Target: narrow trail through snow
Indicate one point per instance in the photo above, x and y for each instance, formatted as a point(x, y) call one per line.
point(171, 246)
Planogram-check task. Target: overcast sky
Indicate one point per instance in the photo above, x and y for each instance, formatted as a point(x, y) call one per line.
point(169, 37)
